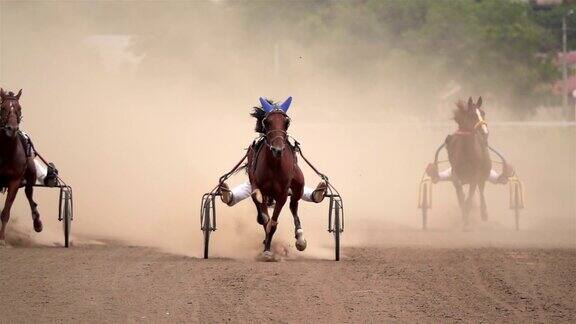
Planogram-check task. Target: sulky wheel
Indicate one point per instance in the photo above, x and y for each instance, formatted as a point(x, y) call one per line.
point(517, 206)
point(67, 217)
point(337, 231)
point(206, 227)
point(424, 206)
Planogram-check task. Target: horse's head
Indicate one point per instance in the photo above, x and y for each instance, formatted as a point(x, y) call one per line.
point(275, 125)
point(10, 112)
point(470, 117)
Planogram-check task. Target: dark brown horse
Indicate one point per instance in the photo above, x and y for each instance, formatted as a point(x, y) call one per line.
point(469, 156)
point(16, 166)
point(273, 172)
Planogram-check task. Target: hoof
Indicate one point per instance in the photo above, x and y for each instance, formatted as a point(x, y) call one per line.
point(267, 256)
point(38, 225)
point(3, 243)
point(301, 244)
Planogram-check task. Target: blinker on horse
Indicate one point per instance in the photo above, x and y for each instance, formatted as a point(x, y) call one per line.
point(275, 125)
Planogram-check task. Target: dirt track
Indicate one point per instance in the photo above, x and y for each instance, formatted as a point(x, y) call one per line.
point(118, 284)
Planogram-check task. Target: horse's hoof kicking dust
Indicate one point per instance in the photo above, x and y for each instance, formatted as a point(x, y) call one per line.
point(268, 256)
point(301, 244)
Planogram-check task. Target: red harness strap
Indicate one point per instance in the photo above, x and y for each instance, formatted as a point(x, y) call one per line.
point(463, 132)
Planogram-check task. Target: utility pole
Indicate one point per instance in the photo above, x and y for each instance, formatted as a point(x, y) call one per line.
point(569, 113)
point(564, 66)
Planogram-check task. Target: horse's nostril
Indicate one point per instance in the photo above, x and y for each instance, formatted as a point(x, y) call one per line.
point(276, 151)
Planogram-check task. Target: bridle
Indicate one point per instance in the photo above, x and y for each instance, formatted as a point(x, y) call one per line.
point(283, 134)
point(4, 120)
point(478, 125)
point(481, 123)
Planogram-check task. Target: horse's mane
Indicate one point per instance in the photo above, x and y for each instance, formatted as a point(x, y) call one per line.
point(259, 113)
point(460, 112)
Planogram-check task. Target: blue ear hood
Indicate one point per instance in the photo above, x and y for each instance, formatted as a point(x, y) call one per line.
point(286, 104)
point(266, 105)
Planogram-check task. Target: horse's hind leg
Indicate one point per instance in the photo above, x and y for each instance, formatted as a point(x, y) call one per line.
point(298, 232)
point(29, 190)
point(5, 215)
point(297, 191)
point(483, 209)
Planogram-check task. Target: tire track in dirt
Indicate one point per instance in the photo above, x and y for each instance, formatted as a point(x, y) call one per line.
point(110, 283)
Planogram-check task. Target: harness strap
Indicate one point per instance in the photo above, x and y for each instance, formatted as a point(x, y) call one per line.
point(498, 153)
point(256, 155)
point(439, 149)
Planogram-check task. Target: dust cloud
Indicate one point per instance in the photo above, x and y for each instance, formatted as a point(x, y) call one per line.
point(142, 106)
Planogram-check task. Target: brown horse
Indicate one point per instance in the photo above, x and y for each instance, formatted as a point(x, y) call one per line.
point(273, 172)
point(16, 166)
point(469, 156)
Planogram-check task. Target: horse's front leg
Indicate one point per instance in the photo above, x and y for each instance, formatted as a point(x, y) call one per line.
point(5, 215)
point(460, 196)
point(469, 199)
point(262, 212)
point(29, 190)
point(272, 223)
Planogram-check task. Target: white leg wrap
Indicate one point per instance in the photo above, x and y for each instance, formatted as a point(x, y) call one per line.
point(41, 171)
point(307, 195)
point(241, 192)
point(445, 175)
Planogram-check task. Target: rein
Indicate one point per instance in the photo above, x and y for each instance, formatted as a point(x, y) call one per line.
point(331, 188)
point(299, 150)
point(235, 169)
